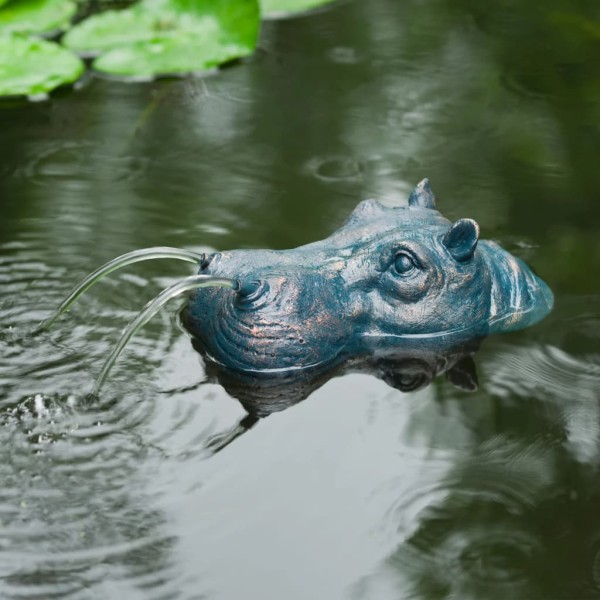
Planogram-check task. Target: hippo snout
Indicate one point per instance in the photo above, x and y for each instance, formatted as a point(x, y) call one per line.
point(284, 314)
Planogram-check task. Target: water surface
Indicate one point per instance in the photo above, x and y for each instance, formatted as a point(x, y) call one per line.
point(360, 491)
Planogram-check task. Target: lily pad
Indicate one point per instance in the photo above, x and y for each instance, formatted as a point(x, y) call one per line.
point(165, 56)
point(36, 16)
point(32, 67)
point(158, 37)
point(282, 8)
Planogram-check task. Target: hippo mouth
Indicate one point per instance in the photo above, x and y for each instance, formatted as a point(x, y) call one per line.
point(276, 321)
point(243, 345)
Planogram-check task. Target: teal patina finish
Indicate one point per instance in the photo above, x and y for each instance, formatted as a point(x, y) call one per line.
point(389, 279)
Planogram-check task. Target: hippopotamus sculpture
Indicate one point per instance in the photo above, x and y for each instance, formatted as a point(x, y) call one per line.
point(392, 286)
point(390, 278)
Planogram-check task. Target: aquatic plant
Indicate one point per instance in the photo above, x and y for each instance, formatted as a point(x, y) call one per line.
point(41, 17)
point(149, 39)
point(158, 37)
point(32, 67)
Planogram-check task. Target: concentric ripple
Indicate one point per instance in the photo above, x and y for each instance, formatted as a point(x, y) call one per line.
point(335, 168)
point(468, 537)
point(69, 498)
point(69, 161)
point(75, 499)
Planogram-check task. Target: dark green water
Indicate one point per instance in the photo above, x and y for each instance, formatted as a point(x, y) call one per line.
point(360, 491)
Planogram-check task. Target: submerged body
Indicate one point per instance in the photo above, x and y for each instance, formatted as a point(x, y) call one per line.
point(388, 279)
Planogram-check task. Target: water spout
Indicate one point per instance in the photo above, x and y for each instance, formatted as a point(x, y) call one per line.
point(189, 283)
point(115, 264)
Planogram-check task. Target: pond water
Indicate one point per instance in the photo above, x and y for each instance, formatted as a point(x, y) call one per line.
point(360, 491)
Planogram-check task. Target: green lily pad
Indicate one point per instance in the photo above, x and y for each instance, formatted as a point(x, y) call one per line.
point(36, 16)
point(31, 66)
point(158, 37)
point(165, 56)
point(279, 8)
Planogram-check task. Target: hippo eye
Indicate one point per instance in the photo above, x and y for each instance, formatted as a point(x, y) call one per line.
point(404, 263)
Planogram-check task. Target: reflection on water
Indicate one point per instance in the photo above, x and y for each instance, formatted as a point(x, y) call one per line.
point(361, 490)
point(511, 518)
point(405, 370)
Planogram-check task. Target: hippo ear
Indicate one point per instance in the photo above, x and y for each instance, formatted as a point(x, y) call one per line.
point(461, 239)
point(422, 196)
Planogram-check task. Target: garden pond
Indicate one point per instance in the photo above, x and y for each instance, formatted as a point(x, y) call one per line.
point(359, 491)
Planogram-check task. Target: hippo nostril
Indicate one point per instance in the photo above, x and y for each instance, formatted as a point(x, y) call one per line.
point(250, 290)
point(206, 260)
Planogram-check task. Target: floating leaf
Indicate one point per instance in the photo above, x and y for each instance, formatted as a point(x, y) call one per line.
point(36, 16)
point(166, 56)
point(30, 66)
point(278, 8)
point(116, 28)
point(168, 36)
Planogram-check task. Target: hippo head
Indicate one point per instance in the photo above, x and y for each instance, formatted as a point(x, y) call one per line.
point(389, 278)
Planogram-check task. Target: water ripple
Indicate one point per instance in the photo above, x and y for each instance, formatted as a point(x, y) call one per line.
point(75, 468)
point(80, 161)
point(68, 468)
point(335, 168)
point(79, 497)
